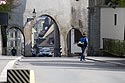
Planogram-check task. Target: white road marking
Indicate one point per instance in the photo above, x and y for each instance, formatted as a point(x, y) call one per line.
point(3, 75)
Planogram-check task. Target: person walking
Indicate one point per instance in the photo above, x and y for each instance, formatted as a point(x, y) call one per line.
point(33, 52)
point(13, 51)
point(84, 41)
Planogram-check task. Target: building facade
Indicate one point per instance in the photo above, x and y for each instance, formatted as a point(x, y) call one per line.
point(68, 15)
point(105, 21)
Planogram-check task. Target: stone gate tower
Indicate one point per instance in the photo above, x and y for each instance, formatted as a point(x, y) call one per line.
point(67, 14)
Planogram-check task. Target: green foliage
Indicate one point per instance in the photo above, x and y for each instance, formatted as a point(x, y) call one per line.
point(6, 7)
point(120, 3)
point(115, 47)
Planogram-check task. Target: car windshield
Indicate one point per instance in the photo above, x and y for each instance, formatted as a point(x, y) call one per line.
point(45, 50)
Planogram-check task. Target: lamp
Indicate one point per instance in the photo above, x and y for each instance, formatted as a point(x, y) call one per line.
point(34, 13)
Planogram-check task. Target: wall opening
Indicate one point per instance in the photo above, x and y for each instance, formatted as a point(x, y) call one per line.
point(16, 39)
point(45, 34)
point(115, 19)
point(72, 39)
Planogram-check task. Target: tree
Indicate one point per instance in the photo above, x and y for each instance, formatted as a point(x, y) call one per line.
point(6, 7)
point(120, 3)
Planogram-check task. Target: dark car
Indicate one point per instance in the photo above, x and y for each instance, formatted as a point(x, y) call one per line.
point(45, 52)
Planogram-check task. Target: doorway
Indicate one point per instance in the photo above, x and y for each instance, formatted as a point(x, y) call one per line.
point(72, 39)
point(45, 33)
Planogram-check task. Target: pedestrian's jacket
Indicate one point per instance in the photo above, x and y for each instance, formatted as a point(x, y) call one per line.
point(85, 41)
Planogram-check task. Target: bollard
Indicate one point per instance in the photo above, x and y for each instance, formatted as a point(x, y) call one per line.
point(20, 76)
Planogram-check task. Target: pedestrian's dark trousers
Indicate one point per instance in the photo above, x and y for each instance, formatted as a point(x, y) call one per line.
point(83, 54)
point(14, 54)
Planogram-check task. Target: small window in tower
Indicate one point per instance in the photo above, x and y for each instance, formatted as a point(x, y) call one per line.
point(115, 19)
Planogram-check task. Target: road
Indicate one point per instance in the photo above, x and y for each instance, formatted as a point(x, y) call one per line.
point(71, 70)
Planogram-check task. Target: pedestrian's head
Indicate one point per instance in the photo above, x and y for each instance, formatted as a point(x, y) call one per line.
point(84, 34)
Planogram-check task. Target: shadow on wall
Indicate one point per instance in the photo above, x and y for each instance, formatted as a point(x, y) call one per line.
point(18, 8)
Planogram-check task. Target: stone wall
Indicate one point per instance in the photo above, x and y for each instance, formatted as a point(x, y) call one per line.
point(79, 13)
point(94, 28)
point(58, 10)
point(16, 14)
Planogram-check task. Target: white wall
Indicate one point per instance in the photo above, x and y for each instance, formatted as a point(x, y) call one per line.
point(108, 29)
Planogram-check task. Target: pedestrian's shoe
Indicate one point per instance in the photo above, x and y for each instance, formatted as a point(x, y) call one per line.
point(83, 60)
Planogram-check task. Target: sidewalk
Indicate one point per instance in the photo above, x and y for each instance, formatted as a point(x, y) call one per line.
point(6, 62)
point(112, 60)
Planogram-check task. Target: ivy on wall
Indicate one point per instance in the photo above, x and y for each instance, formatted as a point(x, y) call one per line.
point(121, 3)
point(114, 47)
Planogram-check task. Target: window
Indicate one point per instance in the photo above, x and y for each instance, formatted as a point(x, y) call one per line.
point(51, 41)
point(11, 35)
point(11, 43)
point(115, 19)
point(124, 32)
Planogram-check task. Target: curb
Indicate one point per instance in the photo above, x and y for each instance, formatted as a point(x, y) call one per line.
point(115, 63)
point(10, 64)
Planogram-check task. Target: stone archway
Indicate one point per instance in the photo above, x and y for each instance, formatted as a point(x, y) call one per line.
point(45, 33)
point(72, 39)
point(15, 38)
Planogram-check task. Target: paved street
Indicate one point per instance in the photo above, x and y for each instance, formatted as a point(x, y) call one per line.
point(71, 70)
point(67, 69)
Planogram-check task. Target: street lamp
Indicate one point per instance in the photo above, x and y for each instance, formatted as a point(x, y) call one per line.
point(33, 30)
point(34, 13)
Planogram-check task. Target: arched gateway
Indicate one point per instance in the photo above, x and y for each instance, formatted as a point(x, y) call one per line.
point(45, 33)
point(15, 39)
